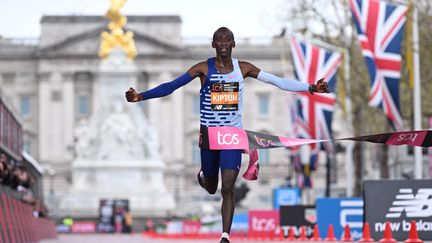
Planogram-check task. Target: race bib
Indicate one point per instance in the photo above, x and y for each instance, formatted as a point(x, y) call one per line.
point(224, 96)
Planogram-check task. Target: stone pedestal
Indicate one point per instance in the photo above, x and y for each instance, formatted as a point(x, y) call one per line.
point(116, 150)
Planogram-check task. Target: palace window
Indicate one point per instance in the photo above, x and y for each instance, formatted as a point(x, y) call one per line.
point(25, 105)
point(263, 105)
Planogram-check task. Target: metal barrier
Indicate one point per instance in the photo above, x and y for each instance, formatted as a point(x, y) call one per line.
point(17, 223)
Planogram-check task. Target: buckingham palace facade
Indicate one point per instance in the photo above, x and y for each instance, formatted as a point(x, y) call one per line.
point(50, 82)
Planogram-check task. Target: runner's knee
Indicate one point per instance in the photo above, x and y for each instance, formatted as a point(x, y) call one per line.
point(212, 191)
point(211, 184)
point(227, 191)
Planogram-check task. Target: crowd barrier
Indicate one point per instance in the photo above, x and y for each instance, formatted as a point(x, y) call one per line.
point(18, 225)
point(264, 236)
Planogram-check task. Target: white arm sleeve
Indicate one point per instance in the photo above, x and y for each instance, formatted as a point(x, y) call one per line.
point(283, 83)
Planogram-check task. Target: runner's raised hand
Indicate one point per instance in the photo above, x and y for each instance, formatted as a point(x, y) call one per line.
point(132, 96)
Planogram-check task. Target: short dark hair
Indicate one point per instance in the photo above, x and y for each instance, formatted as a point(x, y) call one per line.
point(223, 29)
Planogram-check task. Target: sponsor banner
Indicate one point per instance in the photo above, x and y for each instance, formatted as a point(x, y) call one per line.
point(211, 223)
point(174, 227)
point(262, 141)
point(286, 197)
point(340, 212)
point(111, 215)
point(106, 216)
point(121, 206)
point(61, 228)
point(83, 227)
point(240, 222)
point(402, 202)
point(263, 221)
point(296, 217)
point(191, 227)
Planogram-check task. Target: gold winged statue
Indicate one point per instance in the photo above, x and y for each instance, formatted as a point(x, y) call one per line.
point(117, 37)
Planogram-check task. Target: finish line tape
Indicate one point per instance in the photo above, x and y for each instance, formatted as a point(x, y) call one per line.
point(222, 138)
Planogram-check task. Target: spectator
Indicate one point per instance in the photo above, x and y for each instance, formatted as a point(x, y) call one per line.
point(3, 168)
point(39, 209)
point(68, 221)
point(127, 222)
point(28, 197)
point(6, 176)
point(20, 179)
point(3, 158)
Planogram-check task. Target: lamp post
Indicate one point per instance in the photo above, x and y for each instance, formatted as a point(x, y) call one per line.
point(51, 173)
point(177, 168)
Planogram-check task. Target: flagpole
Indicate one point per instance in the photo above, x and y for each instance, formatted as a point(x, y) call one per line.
point(417, 94)
point(291, 98)
point(350, 145)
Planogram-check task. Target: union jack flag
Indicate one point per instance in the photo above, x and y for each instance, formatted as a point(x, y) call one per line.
point(380, 28)
point(314, 112)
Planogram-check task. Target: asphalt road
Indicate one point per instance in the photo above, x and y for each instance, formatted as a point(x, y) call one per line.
point(134, 238)
point(137, 238)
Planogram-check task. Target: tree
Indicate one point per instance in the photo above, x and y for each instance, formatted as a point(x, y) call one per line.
point(330, 21)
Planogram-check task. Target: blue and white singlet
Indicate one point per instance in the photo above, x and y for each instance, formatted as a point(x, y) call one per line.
point(221, 96)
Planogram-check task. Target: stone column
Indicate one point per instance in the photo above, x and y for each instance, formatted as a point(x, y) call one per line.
point(44, 118)
point(68, 113)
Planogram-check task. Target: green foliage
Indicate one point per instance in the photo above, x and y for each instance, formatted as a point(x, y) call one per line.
point(425, 44)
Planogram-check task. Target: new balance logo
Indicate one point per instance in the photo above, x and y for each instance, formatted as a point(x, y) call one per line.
point(419, 205)
point(218, 107)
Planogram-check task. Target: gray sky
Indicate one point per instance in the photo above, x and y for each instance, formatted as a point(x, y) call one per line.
point(247, 18)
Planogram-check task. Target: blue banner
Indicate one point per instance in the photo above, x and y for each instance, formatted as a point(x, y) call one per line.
point(340, 212)
point(286, 197)
point(240, 222)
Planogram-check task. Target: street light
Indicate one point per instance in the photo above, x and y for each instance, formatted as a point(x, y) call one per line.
point(51, 173)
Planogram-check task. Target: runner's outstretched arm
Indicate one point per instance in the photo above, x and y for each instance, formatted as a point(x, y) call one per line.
point(250, 70)
point(159, 91)
point(166, 88)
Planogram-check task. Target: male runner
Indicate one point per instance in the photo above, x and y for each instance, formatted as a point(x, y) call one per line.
point(221, 103)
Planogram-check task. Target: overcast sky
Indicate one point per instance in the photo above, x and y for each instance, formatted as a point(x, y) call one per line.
point(247, 18)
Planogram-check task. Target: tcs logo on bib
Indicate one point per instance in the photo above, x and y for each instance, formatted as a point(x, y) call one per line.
point(227, 139)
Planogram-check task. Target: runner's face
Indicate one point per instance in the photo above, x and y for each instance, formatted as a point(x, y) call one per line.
point(223, 43)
